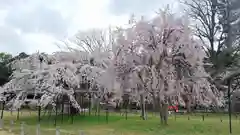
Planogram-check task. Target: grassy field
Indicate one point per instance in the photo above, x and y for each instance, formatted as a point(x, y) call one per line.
point(118, 125)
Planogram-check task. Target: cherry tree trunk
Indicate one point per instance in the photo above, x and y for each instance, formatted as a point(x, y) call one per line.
point(143, 107)
point(155, 103)
point(188, 102)
point(163, 112)
point(188, 106)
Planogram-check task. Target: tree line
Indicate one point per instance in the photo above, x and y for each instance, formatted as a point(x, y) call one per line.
point(5, 66)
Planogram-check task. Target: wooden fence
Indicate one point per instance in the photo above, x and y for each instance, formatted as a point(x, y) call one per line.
point(23, 130)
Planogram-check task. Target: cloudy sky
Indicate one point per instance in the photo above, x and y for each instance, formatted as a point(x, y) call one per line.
point(31, 25)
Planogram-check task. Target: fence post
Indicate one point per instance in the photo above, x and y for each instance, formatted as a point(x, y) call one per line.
point(1, 124)
point(81, 132)
point(57, 131)
point(38, 130)
point(18, 113)
point(11, 126)
point(22, 128)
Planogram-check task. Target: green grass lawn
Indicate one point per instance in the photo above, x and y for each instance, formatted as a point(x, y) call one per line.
point(118, 125)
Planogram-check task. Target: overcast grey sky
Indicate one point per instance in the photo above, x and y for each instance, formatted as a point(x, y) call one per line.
point(31, 25)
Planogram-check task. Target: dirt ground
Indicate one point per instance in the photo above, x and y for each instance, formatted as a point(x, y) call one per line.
point(5, 133)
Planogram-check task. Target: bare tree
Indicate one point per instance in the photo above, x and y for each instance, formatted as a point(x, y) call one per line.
point(204, 12)
point(95, 38)
point(217, 26)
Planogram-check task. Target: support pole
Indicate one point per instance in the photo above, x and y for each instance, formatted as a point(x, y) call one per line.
point(38, 130)
point(3, 107)
point(11, 126)
point(98, 109)
point(107, 114)
point(22, 128)
point(62, 109)
point(18, 110)
point(89, 103)
point(72, 113)
point(126, 109)
point(229, 107)
point(55, 120)
point(39, 113)
point(50, 113)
